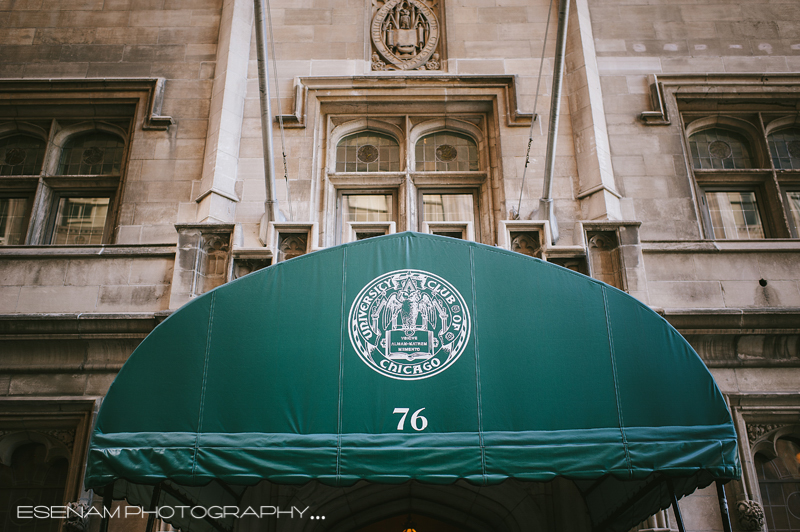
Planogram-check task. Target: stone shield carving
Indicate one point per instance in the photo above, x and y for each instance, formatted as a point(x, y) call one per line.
point(405, 33)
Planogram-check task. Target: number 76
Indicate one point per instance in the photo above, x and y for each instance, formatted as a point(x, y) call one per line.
point(418, 422)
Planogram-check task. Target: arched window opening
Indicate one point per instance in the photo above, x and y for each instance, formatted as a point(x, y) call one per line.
point(784, 146)
point(94, 153)
point(446, 152)
point(719, 149)
point(30, 481)
point(21, 155)
point(779, 480)
point(368, 152)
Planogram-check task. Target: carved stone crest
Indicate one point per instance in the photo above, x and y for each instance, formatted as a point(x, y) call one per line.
point(405, 34)
point(751, 515)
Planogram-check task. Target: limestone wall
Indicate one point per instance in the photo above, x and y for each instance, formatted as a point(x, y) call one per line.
point(115, 283)
point(171, 39)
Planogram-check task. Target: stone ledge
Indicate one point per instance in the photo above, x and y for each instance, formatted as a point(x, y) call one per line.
point(734, 321)
point(741, 338)
point(79, 326)
point(112, 250)
point(778, 245)
point(757, 401)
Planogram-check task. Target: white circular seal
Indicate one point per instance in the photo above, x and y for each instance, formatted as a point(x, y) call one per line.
point(409, 324)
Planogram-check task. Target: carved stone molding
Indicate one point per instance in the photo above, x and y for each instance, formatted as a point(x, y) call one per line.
point(245, 266)
point(756, 430)
point(74, 522)
point(605, 259)
point(406, 35)
point(412, 86)
point(527, 243)
point(150, 89)
point(664, 86)
point(67, 437)
point(292, 245)
point(751, 515)
point(719, 349)
point(202, 260)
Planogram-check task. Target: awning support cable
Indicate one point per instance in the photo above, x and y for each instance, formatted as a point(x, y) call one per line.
point(280, 111)
point(535, 117)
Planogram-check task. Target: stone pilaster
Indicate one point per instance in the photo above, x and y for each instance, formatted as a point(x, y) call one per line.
point(218, 196)
point(202, 260)
point(598, 192)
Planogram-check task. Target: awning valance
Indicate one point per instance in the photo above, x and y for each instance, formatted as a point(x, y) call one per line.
point(416, 357)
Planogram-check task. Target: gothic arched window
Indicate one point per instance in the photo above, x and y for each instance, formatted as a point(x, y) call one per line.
point(95, 153)
point(446, 152)
point(368, 152)
point(21, 155)
point(779, 480)
point(719, 148)
point(784, 146)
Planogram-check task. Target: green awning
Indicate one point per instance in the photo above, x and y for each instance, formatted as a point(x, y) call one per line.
point(420, 357)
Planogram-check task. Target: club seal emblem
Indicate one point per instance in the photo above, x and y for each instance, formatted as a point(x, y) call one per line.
point(405, 34)
point(409, 324)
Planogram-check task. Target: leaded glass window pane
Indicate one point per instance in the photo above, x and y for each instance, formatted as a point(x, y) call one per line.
point(734, 215)
point(368, 152)
point(784, 146)
point(12, 221)
point(446, 152)
point(719, 149)
point(793, 198)
point(448, 207)
point(80, 220)
point(94, 153)
point(366, 208)
point(21, 155)
point(779, 480)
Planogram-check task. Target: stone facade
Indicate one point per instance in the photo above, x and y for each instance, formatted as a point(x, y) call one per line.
point(175, 82)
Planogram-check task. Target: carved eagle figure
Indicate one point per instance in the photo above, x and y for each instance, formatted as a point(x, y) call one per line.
point(402, 310)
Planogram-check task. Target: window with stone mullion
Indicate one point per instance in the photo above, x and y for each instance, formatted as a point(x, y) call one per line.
point(76, 195)
point(745, 195)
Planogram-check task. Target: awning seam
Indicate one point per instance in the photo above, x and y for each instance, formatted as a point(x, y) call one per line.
point(477, 366)
point(616, 382)
point(341, 368)
point(213, 296)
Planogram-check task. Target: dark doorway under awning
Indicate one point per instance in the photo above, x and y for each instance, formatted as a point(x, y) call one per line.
point(414, 357)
